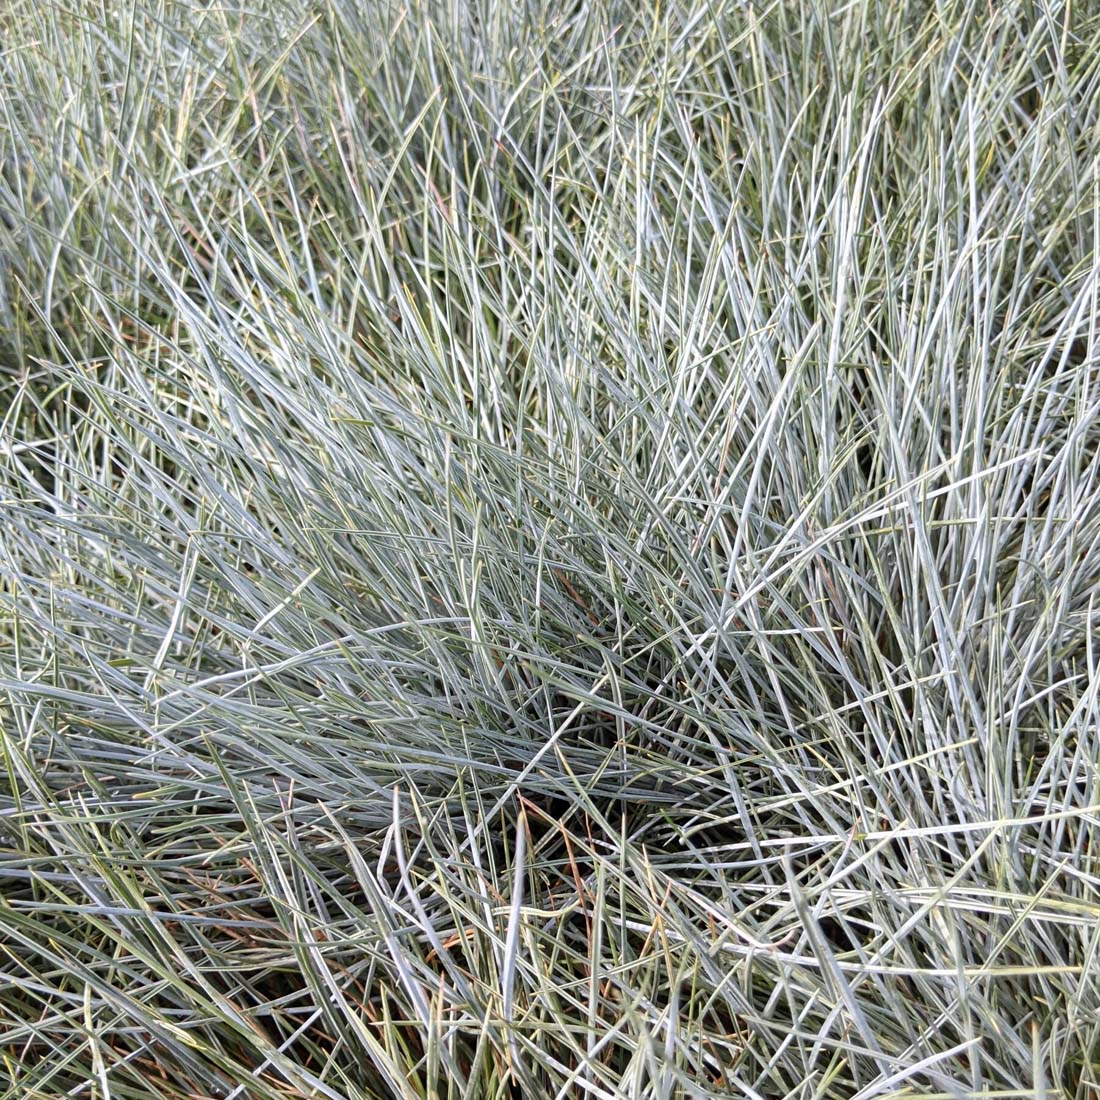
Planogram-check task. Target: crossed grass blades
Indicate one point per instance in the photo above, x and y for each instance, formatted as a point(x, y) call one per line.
point(549, 550)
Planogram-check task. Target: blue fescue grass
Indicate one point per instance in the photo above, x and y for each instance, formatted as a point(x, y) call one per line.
point(549, 550)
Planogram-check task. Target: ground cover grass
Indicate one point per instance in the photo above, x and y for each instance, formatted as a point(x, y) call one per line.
point(549, 550)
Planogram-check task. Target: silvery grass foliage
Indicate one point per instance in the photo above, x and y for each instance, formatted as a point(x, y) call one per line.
point(549, 550)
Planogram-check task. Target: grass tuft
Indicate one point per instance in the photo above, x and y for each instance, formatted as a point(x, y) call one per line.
point(549, 550)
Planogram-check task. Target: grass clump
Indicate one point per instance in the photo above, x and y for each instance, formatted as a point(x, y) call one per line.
point(549, 550)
